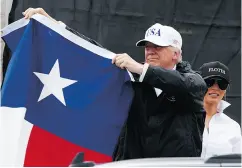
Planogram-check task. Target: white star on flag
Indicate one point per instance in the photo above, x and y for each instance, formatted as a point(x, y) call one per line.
point(53, 83)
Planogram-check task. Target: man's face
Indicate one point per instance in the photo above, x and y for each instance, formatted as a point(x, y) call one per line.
point(159, 56)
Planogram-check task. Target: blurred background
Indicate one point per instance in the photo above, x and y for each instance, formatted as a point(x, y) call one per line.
point(211, 29)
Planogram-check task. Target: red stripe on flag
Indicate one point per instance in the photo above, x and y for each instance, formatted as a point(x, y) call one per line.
point(46, 149)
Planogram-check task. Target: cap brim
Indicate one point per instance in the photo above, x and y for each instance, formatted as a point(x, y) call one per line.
point(142, 43)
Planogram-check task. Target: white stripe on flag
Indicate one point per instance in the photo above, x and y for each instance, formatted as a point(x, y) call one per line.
point(14, 135)
point(23, 142)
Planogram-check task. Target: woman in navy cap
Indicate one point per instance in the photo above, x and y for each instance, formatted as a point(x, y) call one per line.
point(222, 135)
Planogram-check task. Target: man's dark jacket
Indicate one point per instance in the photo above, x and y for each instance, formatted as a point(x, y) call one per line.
point(170, 125)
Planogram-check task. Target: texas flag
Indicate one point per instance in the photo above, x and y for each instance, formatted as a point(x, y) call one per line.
point(61, 95)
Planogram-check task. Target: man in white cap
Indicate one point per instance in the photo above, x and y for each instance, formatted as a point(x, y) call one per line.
point(166, 118)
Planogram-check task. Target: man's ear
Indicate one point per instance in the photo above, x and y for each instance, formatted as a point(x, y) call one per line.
point(176, 56)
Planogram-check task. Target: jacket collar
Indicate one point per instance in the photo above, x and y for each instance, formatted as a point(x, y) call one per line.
point(183, 67)
point(222, 105)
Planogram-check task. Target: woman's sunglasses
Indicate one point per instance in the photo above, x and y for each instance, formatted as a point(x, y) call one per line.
point(222, 84)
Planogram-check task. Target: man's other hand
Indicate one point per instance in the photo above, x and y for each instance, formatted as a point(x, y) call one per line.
point(125, 61)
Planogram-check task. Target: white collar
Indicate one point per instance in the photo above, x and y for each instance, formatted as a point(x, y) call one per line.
point(222, 105)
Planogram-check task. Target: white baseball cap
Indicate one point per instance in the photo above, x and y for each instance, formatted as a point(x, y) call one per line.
point(162, 36)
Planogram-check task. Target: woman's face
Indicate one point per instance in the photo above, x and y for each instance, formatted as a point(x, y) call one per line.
point(216, 90)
